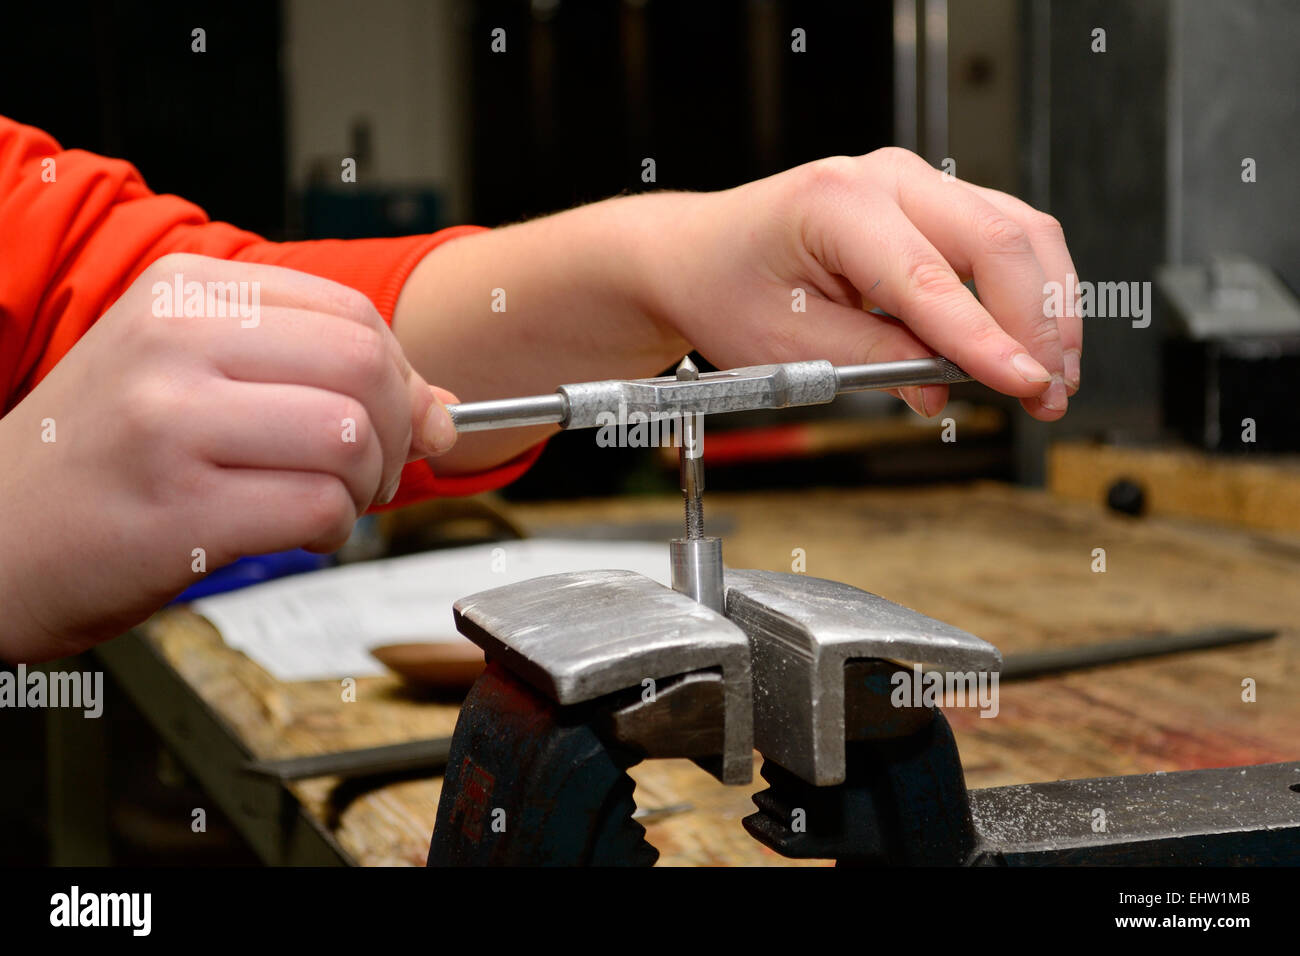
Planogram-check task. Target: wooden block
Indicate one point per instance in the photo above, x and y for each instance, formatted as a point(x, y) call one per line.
point(1253, 492)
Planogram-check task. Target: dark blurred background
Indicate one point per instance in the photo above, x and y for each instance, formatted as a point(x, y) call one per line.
point(1137, 150)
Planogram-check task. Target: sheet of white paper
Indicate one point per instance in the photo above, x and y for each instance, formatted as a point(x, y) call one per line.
point(321, 625)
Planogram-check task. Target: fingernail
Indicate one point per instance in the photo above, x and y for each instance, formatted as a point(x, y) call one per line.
point(915, 398)
point(1055, 398)
point(389, 493)
point(438, 432)
point(933, 399)
point(1029, 369)
point(1072, 368)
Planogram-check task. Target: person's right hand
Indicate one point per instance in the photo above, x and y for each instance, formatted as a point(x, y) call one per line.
point(187, 442)
point(860, 236)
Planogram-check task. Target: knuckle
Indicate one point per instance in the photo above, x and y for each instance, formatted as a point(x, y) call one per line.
point(779, 342)
point(833, 173)
point(146, 414)
point(999, 234)
point(367, 355)
point(929, 279)
point(351, 413)
point(894, 156)
point(897, 164)
point(1048, 226)
point(354, 304)
point(984, 335)
point(1044, 333)
point(329, 511)
point(141, 331)
point(174, 262)
point(185, 480)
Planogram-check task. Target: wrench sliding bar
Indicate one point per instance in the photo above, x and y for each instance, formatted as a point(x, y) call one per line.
point(734, 390)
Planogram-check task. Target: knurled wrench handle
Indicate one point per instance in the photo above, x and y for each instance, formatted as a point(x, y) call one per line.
point(588, 404)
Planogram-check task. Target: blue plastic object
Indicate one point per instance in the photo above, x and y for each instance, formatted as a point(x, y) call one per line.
point(255, 570)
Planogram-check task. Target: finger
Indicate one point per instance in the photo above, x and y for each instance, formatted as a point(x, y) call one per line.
point(256, 511)
point(888, 341)
point(257, 284)
point(274, 287)
point(926, 400)
point(841, 334)
point(295, 347)
point(292, 428)
point(1049, 245)
point(870, 240)
point(444, 396)
point(432, 430)
point(978, 239)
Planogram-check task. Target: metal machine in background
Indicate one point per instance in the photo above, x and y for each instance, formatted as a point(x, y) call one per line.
point(591, 672)
point(1232, 358)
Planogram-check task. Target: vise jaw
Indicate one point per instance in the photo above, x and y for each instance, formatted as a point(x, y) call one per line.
point(781, 651)
point(799, 669)
point(802, 632)
point(580, 636)
point(590, 672)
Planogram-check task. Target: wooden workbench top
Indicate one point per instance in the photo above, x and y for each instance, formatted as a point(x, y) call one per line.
point(1012, 566)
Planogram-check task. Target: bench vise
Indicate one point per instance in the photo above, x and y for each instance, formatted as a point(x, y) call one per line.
point(592, 672)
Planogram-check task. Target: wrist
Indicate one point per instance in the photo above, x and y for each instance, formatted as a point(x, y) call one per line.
point(23, 635)
point(619, 252)
point(656, 244)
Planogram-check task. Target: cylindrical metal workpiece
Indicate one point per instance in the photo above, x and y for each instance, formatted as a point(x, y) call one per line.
point(509, 413)
point(697, 570)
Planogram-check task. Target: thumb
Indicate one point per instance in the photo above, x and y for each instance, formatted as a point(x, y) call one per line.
point(432, 431)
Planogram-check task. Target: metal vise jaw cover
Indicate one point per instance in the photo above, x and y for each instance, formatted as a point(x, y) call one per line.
point(584, 634)
point(802, 631)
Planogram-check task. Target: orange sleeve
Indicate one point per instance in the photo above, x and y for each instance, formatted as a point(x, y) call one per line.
point(76, 229)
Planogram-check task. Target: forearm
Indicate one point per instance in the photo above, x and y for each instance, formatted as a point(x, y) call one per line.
point(790, 267)
point(574, 304)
